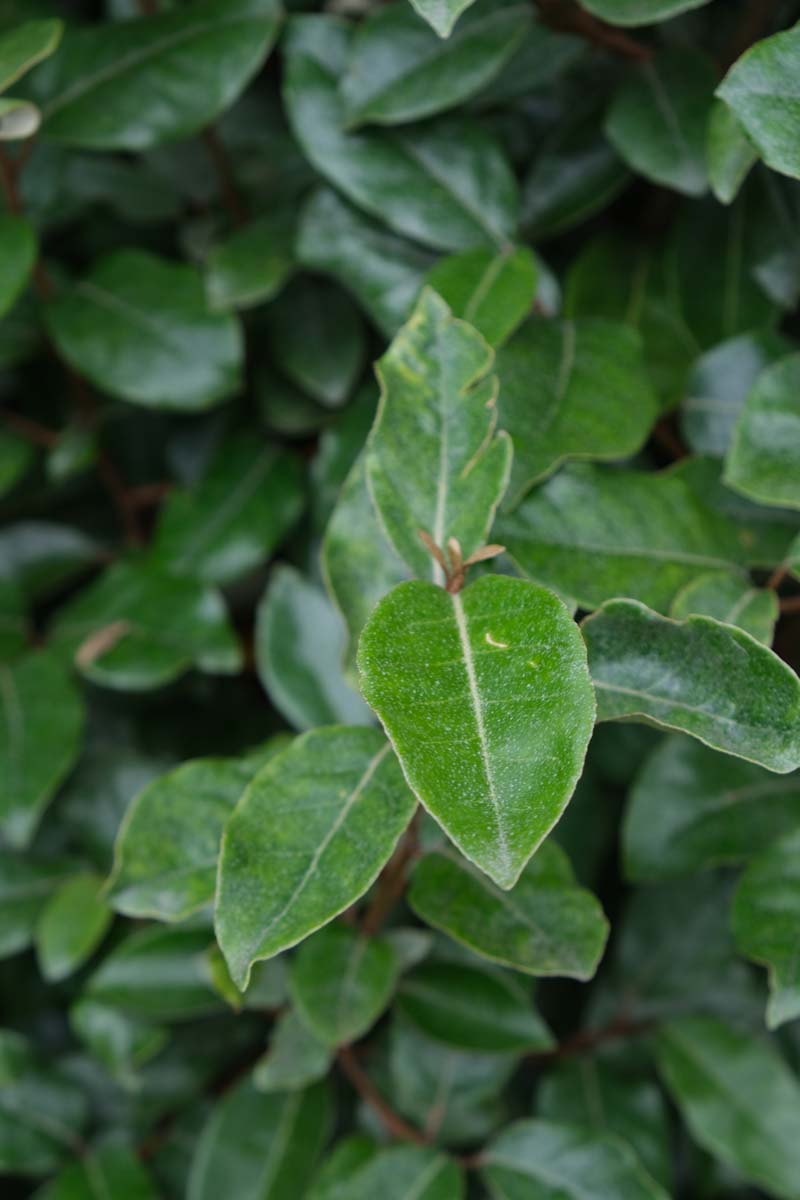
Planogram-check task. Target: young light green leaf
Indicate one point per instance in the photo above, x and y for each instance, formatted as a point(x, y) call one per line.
point(25, 45)
point(764, 458)
point(129, 85)
point(295, 1059)
point(139, 327)
point(253, 264)
point(540, 1160)
point(299, 649)
point(444, 671)
point(730, 153)
point(341, 981)
point(71, 926)
point(472, 1008)
point(436, 397)
point(400, 71)
point(594, 533)
point(572, 389)
point(738, 1097)
point(17, 256)
point(441, 15)
point(165, 857)
point(766, 923)
point(223, 526)
point(658, 118)
point(761, 88)
point(493, 292)
point(41, 721)
point(308, 838)
point(707, 679)
point(397, 1173)
point(691, 809)
point(137, 628)
point(639, 12)
point(545, 925)
point(260, 1145)
point(397, 177)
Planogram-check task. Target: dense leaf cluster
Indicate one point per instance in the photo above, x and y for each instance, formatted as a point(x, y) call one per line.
point(339, 704)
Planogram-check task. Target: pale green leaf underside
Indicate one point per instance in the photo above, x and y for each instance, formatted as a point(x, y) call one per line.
point(761, 88)
point(764, 458)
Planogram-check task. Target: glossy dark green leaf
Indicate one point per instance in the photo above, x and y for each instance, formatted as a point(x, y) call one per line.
point(252, 265)
point(129, 85)
point(764, 458)
point(699, 676)
point(437, 397)
point(233, 518)
point(397, 176)
point(731, 599)
point(307, 839)
point(761, 89)
point(396, 1173)
point(71, 926)
point(25, 885)
point(443, 671)
point(312, 313)
point(766, 920)
point(17, 256)
point(400, 70)
point(25, 45)
point(139, 327)
point(657, 120)
point(42, 1111)
point(640, 12)
point(341, 981)
point(259, 1145)
point(571, 389)
point(493, 292)
point(692, 808)
point(295, 1058)
point(137, 628)
point(300, 641)
point(41, 721)
point(738, 1097)
point(729, 152)
point(165, 858)
point(718, 387)
point(595, 533)
point(110, 1170)
point(472, 1008)
point(546, 924)
point(541, 1160)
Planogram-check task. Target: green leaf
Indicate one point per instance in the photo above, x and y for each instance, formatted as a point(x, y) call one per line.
point(165, 857)
point(123, 1045)
point(397, 176)
point(546, 924)
point(72, 924)
point(299, 651)
point(252, 265)
point(732, 600)
point(139, 327)
point(766, 921)
point(18, 119)
point(729, 152)
point(137, 628)
point(764, 458)
point(42, 555)
point(295, 1057)
point(25, 885)
point(698, 676)
point(110, 1170)
point(444, 671)
point(400, 71)
point(761, 88)
point(718, 387)
point(41, 1111)
point(25, 45)
point(572, 389)
point(657, 119)
point(595, 533)
point(639, 12)
point(540, 1160)
point(309, 836)
point(383, 272)
point(397, 1173)
point(259, 1145)
point(41, 722)
point(691, 809)
point(738, 1097)
point(129, 85)
point(316, 314)
point(493, 292)
point(472, 1008)
point(16, 455)
point(17, 256)
point(229, 522)
point(436, 396)
point(341, 981)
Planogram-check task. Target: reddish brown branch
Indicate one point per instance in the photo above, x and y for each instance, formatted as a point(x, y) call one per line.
point(32, 431)
point(790, 605)
point(392, 882)
point(392, 1121)
point(777, 577)
point(567, 17)
point(228, 188)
